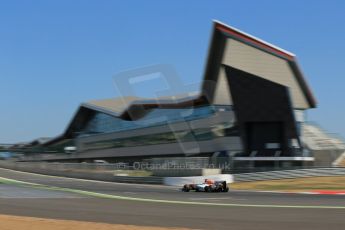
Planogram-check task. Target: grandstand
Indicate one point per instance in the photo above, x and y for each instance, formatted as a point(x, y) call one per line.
point(327, 149)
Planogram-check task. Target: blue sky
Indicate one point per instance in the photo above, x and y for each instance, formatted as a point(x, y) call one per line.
point(56, 54)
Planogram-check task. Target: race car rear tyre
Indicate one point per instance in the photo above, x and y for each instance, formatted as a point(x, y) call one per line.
point(207, 189)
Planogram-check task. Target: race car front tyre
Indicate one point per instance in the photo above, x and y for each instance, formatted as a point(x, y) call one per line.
point(185, 189)
point(226, 189)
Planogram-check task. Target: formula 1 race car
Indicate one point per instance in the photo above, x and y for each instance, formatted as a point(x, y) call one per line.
point(207, 186)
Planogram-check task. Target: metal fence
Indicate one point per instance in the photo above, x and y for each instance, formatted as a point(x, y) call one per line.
point(289, 174)
point(187, 162)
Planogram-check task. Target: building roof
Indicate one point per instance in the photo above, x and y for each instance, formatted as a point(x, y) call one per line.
point(119, 106)
point(232, 47)
point(112, 106)
point(40, 141)
point(228, 46)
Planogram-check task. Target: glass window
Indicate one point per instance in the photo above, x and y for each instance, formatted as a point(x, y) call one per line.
point(164, 138)
point(103, 123)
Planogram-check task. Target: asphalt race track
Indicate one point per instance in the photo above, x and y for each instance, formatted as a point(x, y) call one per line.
point(154, 205)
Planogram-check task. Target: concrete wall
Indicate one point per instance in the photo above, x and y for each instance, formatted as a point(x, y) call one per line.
point(185, 172)
point(102, 172)
point(63, 171)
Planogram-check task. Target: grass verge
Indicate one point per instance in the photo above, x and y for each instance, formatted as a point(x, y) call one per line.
point(32, 223)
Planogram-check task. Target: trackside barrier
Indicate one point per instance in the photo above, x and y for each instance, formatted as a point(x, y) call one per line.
point(289, 174)
point(138, 180)
point(109, 176)
point(92, 175)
